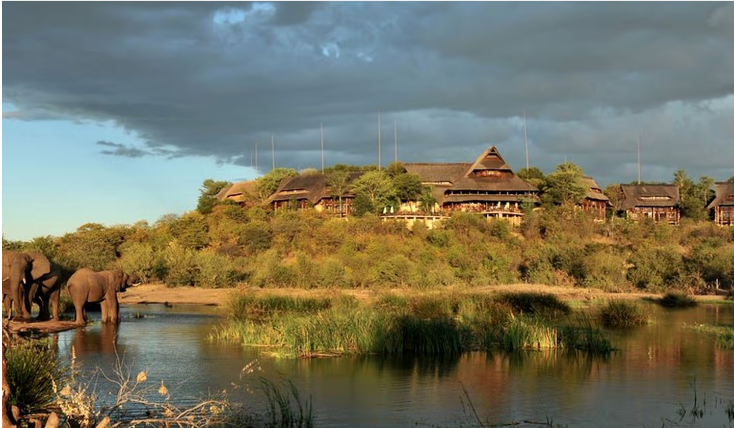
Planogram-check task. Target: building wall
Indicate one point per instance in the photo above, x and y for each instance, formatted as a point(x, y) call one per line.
point(670, 215)
point(724, 215)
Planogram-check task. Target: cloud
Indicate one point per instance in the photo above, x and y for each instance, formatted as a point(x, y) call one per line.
point(210, 79)
point(117, 149)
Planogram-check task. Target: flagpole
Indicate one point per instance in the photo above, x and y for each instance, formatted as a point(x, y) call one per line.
point(272, 148)
point(395, 124)
point(527, 157)
point(322, 148)
point(379, 143)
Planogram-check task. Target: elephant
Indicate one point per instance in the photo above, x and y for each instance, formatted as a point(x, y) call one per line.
point(46, 291)
point(87, 286)
point(20, 271)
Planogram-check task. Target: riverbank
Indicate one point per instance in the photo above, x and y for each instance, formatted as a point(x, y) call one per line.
point(160, 294)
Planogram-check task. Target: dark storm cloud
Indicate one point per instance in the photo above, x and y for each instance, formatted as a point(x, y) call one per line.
point(200, 79)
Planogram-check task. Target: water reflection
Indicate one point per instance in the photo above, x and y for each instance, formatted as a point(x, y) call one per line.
point(645, 380)
point(95, 340)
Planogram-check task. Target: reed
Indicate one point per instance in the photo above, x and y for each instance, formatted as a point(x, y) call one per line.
point(284, 407)
point(249, 306)
point(586, 337)
point(622, 314)
point(535, 304)
point(724, 334)
point(674, 299)
point(32, 369)
point(525, 332)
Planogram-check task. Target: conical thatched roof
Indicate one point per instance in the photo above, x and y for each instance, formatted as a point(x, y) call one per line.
point(239, 192)
point(312, 187)
point(594, 192)
point(724, 195)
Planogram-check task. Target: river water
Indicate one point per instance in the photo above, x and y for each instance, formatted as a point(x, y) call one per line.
point(657, 370)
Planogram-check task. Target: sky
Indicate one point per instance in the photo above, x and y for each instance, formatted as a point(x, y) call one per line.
point(117, 112)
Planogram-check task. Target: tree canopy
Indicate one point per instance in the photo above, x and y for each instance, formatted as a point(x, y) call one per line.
point(268, 183)
point(374, 190)
point(693, 196)
point(565, 185)
point(533, 175)
point(208, 193)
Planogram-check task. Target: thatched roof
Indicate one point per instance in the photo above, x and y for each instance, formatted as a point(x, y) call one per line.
point(312, 187)
point(437, 172)
point(238, 192)
point(594, 192)
point(488, 198)
point(491, 159)
point(650, 195)
point(724, 195)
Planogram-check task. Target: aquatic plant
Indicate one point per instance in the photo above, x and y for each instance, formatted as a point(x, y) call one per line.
point(544, 304)
point(674, 299)
point(724, 334)
point(618, 313)
point(31, 371)
point(251, 306)
point(286, 408)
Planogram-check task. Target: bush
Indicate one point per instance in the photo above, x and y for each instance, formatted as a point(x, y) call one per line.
point(143, 260)
point(677, 300)
point(181, 265)
point(655, 268)
point(622, 314)
point(214, 270)
point(31, 372)
point(535, 303)
point(256, 236)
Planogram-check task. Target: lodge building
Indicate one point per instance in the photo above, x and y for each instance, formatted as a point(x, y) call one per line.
point(659, 202)
point(723, 204)
point(595, 202)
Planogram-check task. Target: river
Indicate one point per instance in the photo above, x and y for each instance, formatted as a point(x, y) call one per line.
point(657, 369)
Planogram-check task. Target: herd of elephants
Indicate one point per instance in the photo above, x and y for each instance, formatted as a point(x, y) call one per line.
point(31, 278)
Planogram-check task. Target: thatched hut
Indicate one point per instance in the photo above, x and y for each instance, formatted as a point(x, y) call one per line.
point(660, 202)
point(723, 204)
point(242, 192)
point(312, 191)
point(596, 202)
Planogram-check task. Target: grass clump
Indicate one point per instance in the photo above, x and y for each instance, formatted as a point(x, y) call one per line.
point(622, 314)
point(724, 334)
point(543, 304)
point(285, 407)
point(31, 371)
point(677, 300)
point(249, 306)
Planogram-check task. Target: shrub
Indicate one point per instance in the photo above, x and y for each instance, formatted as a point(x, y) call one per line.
point(655, 268)
point(144, 261)
point(535, 303)
point(214, 270)
point(604, 269)
point(181, 265)
point(677, 300)
point(622, 314)
point(256, 236)
point(31, 372)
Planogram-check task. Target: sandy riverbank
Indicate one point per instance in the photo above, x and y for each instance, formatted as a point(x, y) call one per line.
point(160, 294)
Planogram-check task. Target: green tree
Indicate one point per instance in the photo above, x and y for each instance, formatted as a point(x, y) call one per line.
point(338, 182)
point(693, 196)
point(407, 186)
point(268, 183)
point(377, 188)
point(191, 230)
point(395, 169)
point(427, 202)
point(533, 175)
point(208, 195)
point(614, 193)
point(565, 185)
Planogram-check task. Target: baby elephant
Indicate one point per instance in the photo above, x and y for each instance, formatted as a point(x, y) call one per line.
point(88, 286)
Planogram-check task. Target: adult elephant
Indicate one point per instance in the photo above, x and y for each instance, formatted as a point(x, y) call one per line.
point(88, 286)
point(20, 271)
point(46, 291)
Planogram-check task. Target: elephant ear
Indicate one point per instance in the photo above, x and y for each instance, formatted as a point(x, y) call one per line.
point(40, 265)
point(123, 282)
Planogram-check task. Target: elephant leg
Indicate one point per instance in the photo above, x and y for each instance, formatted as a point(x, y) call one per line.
point(53, 300)
point(114, 310)
point(105, 310)
point(79, 302)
